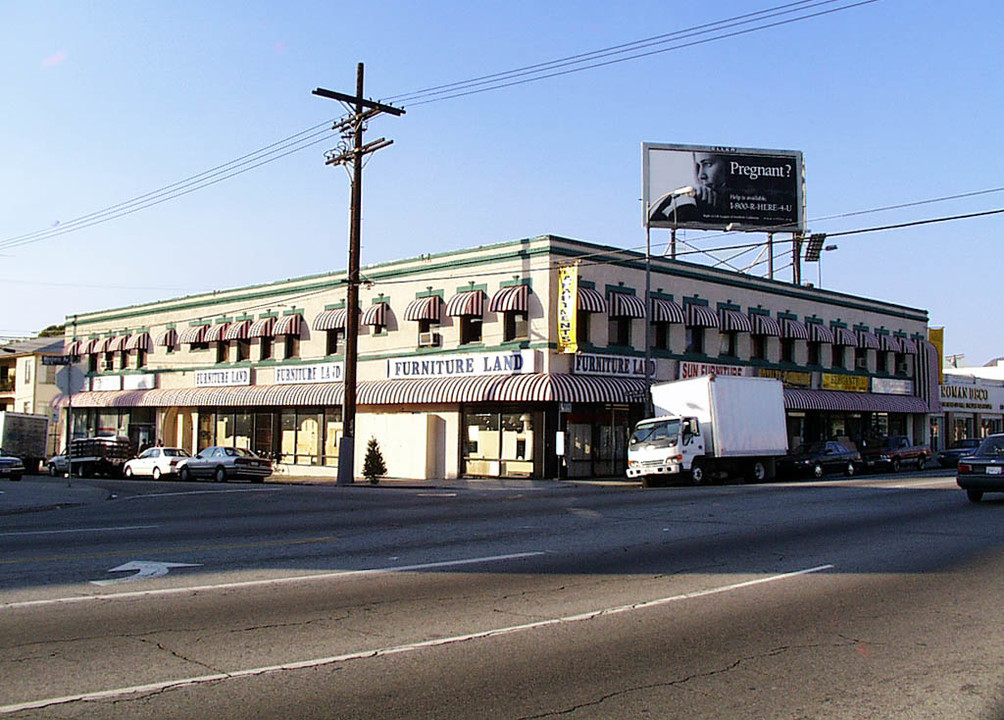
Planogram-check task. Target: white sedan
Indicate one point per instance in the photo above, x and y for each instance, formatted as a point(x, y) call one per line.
point(157, 461)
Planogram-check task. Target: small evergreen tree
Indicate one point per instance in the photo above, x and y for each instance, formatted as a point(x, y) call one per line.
point(373, 465)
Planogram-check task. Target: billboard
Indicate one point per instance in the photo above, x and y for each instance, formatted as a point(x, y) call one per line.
point(713, 188)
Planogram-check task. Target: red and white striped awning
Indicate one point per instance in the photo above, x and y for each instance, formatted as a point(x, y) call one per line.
point(733, 321)
point(289, 325)
point(72, 348)
point(376, 315)
point(666, 311)
point(835, 400)
point(168, 338)
point(843, 336)
point(89, 347)
point(531, 388)
point(215, 333)
point(907, 345)
point(791, 328)
point(765, 325)
point(331, 320)
point(868, 340)
point(140, 341)
point(466, 304)
point(625, 305)
point(237, 330)
point(116, 344)
point(262, 328)
point(192, 335)
point(819, 332)
point(590, 300)
point(510, 299)
point(425, 308)
point(700, 316)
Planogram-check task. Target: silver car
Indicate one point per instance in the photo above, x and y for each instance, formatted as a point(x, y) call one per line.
point(224, 463)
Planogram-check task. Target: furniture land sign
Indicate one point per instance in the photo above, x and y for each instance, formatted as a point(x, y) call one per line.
point(516, 362)
point(222, 378)
point(615, 365)
point(319, 373)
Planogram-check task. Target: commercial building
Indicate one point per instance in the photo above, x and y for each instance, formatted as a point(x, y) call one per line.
point(972, 401)
point(26, 384)
point(464, 367)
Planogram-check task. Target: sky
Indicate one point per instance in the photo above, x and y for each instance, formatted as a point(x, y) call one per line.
point(892, 102)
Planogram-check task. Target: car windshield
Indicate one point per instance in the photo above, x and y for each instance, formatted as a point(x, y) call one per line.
point(992, 446)
point(656, 433)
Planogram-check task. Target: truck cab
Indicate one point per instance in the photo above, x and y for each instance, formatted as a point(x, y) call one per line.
point(664, 445)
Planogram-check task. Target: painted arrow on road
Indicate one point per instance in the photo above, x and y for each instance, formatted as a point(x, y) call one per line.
point(145, 570)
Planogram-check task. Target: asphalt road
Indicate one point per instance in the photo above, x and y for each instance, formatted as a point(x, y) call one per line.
point(869, 597)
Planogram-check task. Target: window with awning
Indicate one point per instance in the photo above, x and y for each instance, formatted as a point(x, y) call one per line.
point(732, 321)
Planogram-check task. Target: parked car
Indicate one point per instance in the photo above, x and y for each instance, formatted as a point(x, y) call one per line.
point(10, 466)
point(224, 463)
point(157, 461)
point(893, 453)
point(818, 459)
point(983, 471)
point(58, 464)
point(950, 458)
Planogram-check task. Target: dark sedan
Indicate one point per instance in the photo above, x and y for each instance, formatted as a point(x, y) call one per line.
point(225, 463)
point(10, 466)
point(818, 459)
point(983, 471)
point(950, 458)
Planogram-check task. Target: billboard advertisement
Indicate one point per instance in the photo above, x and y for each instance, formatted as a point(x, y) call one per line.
point(720, 188)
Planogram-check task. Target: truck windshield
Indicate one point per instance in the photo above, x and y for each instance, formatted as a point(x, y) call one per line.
point(658, 434)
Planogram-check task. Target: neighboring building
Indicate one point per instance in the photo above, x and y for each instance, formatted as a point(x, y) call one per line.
point(460, 372)
point(972, 399)
point(26, 385)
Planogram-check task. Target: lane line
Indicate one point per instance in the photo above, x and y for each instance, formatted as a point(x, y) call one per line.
point(397, 649)
point(340, 574)
point(183, 493)
point(78, 530)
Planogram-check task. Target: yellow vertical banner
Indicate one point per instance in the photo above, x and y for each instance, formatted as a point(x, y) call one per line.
point(568, 287)
point(937, 338)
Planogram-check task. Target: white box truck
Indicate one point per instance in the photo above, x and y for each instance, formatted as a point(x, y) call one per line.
point(712, 427)
point(26, 436)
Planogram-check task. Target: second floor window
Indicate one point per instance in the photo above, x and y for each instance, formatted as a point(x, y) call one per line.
point(516, 326)
point(335, 338)
point(582, 327)
point(695, 340)
point(619, 331)
point(727, 344)
point(813, 354)
point(758, 350)
point(788, 350)
point(222, 352)
point(470, 329)
point(266, 349)
point(660, 335)
point(292, 346)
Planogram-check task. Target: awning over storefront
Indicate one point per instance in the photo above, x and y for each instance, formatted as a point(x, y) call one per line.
point(289, 325)
point(793, 329)
point(590, 300)
point(466, 304)
point(819, 332)
point(484, 388)
point(72, 349)
point(117, 344)
point(835, 400)
point(510, 299)
point(215, 333)
point(139, 342)
point(624, 305)
point(700, 316)
point(667, 311)
point(425, 308)
point(765, 325)
point(733, 321)
point(237, 330)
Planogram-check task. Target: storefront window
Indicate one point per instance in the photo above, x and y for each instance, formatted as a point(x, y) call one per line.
point(287, 446)
point(263, 433)
point(225, 430)
point(307, 446)
point(243, 430)
point(207, 427)
point(332, 435)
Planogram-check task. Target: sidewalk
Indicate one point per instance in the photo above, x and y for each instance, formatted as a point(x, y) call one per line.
point(44, 493)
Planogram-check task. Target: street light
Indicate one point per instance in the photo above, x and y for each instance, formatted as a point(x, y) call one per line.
point(686, 190)
point(819, 265)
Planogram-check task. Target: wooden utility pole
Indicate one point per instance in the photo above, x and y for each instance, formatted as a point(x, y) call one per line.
point(353, 127)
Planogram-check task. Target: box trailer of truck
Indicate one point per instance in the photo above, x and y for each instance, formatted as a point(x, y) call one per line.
point(26, 436)
point(712, 427)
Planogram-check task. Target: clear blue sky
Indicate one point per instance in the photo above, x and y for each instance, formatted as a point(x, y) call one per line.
point(892, 102)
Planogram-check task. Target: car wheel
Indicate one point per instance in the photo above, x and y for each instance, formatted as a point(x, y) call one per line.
point(974, 495)
point(697, 474)
point(850, 470)
point(128, 472)
point(156, 473)
point(221, 475)
point(184, 475)
point(895, 465)
point(921, 462)
point(818, 471)
point(52, 470)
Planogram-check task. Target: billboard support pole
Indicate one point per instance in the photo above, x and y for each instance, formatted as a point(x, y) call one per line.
point(796, 260)
point(648, 320)
point(770, 255)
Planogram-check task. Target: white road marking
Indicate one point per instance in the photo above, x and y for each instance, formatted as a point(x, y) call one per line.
point(396, 649)
point(146, 569)
point(199, 492)
point(78, 530)
point(272, 581)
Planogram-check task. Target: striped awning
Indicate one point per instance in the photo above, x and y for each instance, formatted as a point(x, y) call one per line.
point(168, 338)
point(510, 299)
point(72, 348)
point(907, 345)
point(192, 335)
point(89, 347)
point(103, 345)
point(843, 336)
point(868, 340)
point(700, 316)
point(140, 341)
point(531, 388)
point(889, 343)
point(237, 330)
point(289, 325)
point(215, 333)
point(624, 305)
point(666, 311)
point(791, 328)
point(116, 344)
point(799, 399)
point(466, 304)
point(425, 308)
point(733, 321)
point(819, 332)
point(376, 314)
point(590, 301)
point(765, 325)
point(331, 320)
point(262, 328)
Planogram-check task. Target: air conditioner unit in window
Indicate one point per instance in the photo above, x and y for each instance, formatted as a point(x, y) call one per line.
point(429, 339)
point(861, 363)
point(901, 368)
point(107, 364)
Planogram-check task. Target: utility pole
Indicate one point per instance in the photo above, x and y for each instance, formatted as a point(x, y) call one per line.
point(352, 128)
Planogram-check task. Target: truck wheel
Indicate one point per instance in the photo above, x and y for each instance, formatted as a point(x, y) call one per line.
point(697, 473)
point(895, 465)
point(850, 470)
point(921, 462)
point(818, 471)
point(974, 495)
point(758, 471)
